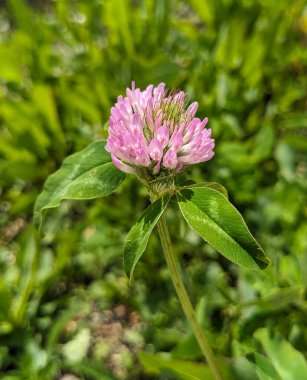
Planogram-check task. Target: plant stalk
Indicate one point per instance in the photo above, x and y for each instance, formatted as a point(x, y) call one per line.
point(184, 298)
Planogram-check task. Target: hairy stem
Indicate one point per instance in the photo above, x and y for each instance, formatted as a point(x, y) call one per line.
point(184, 298)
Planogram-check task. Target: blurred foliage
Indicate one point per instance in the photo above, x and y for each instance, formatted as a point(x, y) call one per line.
point(66, 310)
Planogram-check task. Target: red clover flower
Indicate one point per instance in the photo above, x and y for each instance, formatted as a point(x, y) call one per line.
point(155, 134)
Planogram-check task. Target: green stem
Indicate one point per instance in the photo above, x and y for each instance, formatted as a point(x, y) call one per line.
point(184, 298)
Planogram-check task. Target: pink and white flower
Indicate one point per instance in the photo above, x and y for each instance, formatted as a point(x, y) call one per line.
point(155, 131)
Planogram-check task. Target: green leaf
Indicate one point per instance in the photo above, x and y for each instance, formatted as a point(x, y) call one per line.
point(289, 363)
point(185, 370)
point(137, 238)
point(264, 368)
point(217, 221)
point(211, 185)
point(87, 174)
point(242, 369)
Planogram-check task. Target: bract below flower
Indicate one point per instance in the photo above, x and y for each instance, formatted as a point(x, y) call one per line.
point(153, 132)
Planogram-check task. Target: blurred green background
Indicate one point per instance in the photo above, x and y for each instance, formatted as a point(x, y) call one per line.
point(66, 310)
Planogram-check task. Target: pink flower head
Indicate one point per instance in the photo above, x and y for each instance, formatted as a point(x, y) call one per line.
point(153, 131)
